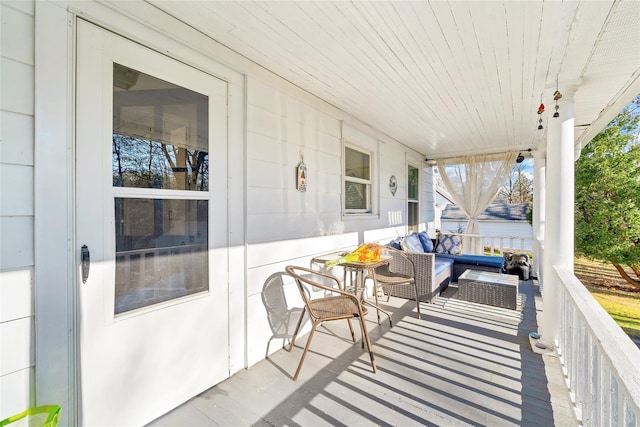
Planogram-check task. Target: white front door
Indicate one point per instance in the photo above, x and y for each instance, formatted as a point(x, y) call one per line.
point(151, 222)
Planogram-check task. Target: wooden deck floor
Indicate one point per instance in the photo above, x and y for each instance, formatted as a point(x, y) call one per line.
point(462, 364)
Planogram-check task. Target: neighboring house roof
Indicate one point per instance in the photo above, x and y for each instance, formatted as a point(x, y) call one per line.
point(444, 194)
point(495, 212)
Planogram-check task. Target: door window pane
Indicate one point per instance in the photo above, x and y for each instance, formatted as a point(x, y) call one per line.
point(160, 133)
point(161, 251)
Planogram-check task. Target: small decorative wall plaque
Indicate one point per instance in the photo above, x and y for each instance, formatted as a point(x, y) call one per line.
point(301, 183)
point(393, 185)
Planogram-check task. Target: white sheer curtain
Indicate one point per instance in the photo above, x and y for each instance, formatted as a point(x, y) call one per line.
point(473, 182)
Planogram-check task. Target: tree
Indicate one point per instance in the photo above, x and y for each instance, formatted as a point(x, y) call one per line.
point(518, 188)
point(145, 163)
point(607, 189)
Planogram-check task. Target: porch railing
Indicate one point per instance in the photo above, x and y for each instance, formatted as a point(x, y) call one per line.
point(497, 244)
point(601, 364)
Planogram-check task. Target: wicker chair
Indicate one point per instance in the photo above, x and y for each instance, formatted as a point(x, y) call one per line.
point(338, 305)
point(282, 319)
point(399, 272)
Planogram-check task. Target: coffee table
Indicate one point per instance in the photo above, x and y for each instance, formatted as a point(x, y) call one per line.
point(485, 287)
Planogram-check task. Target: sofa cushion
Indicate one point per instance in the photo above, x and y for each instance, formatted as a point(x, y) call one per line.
point(427, 243)
point(471, 260)
point(442, 264)
point(411, 243)
point(449, 244)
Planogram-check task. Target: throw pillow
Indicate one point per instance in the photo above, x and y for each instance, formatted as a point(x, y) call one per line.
point(411, 243)
point(427, 243)
point(449, 244)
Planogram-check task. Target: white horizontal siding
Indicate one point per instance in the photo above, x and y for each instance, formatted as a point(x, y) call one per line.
point(287, 227)
point(17, 392)
point(16, 190)
point(17, 33)
point(17, 138)
point(17, 346)
point(16, 242)
point(514, 229)
point(25, 6)
point(17, 322)
point(281, 131)
point(16, 294)
point(17, 86)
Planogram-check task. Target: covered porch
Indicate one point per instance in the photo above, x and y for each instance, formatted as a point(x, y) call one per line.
point(404, 85)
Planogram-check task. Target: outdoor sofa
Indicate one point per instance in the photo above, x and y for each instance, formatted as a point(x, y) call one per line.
point(439, 262)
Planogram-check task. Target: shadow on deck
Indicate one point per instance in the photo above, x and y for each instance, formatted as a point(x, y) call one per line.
point(462, 364)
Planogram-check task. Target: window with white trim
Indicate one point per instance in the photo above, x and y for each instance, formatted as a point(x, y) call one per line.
point(357, 180)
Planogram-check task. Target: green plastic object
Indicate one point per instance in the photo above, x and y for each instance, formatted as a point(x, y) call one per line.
point(40, 416)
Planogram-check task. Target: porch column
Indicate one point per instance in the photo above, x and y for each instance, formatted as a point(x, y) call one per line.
point(539, 196)
point(558, 230)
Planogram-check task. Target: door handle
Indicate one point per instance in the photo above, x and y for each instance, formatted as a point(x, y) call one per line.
point(85, 259)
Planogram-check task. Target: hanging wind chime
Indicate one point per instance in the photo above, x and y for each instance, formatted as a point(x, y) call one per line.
point(556, 96)
point(540, 111)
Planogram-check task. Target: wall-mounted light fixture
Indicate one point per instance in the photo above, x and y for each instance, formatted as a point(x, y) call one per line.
point(520, 157)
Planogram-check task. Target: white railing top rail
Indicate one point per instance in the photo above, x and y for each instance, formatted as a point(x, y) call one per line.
point(615, 345)
point(488, 236)
point(497, 244)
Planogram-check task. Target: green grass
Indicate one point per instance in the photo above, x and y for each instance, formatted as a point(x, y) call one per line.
point(624, 308)
point(605, 284)
point(612, 292)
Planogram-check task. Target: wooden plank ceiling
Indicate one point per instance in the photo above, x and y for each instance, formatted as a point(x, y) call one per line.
point(444, 78)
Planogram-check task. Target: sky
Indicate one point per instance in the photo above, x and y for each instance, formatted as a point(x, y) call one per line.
point(528, 167)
